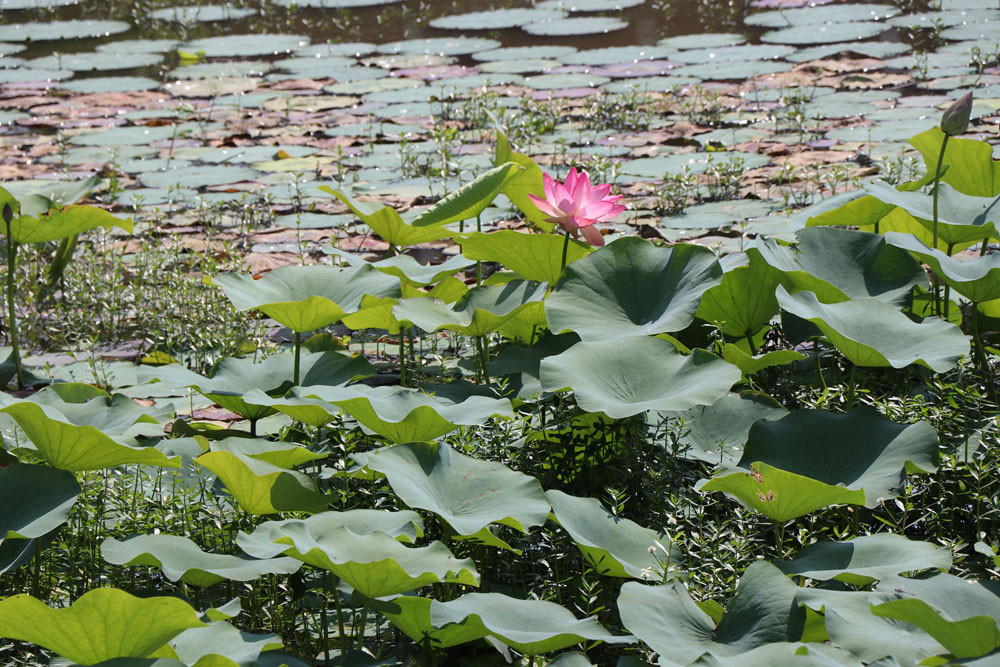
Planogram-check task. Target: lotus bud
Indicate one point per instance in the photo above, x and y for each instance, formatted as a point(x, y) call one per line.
point(955, 119)
point(8, 213)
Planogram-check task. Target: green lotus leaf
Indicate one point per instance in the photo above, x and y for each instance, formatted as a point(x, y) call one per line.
point(400, 414)
point(870, 332)
point(311, 411)
point(968, 164)
point(763, 611)
point(261, 488)
point(412, 615)
point(637, 374)
point(79, 448)
point(180, 559)
point(962, 219)
point(750, 364)
point(480, 311)
point(961, 615)
point(17, 551)
point(872, 637)
point(405, 526)
point(103, 624)
point(529, 626)
point(863, 560)
point(860, 450)
point(62, 223)
point(376, 313)
point(305, 298)
point(388, 224)
point(375, 564)
point(848, 209)
point(607, 295)
point(977, 280)
point(469, 200)
point(571, 659)
point(525, 182)
point(613, 545)
point(219, 644)
point(34, 500)
point(231, 378)
point(467, 493)
point(841, 264)
point(140, 662)
point(532, 256)
point(716, 433)
point(521, 365)
point(406, 268)
point(743, 303)
point(777, 494)
point(113, 415)
point(786, 654)
point(285, 455)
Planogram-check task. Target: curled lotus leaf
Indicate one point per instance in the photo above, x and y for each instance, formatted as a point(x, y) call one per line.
point(607, 295)
point(870, 332)
point(762, 612)
point(261, 488)
point(968, 164)
point(977, 280)
point(613, 545)
point(532, 256)
point(285, 455)
point(637, 374)
point(841, 264)
point(34, 500)
point(62, 223)
point(470, 200)
point(113, 415)
point(405, 526)
point(305, 298)
point(744, 302)
point(406, 267)
point(104, 624)
point(532, 627)
point(467, 493)
point(375, 564)
point(180, 559)
point(412, 615)
point(79, 448)
point(863, 560)
point(219, 644)
point(388, 224)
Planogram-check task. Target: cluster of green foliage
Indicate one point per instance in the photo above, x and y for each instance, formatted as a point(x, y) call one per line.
point(770, 458)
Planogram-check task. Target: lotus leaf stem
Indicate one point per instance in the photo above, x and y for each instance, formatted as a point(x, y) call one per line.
point(402, 358)
point(298, 352)
point(564, 252)
point(8, 216)
point(937, 182)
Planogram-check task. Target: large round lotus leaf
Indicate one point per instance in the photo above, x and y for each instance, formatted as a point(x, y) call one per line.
point(733, 54)
point(524, 52)
point(827, 33)
point(445, 46)
point(180, 559)
point(412, 615)
point(204, 13)
point(305, 298)
point(590, 25)
point(532, 627)
point(532, 256)
point(607, 294)
point(78, 448)
point(387, 223)
point(763, 611)
point(85, 62)
point(375, 564)
point(103, 624)
point(113, 415)
point(222, 644)
point(962, 615)
point(613, 545)
point(863, 560)
point(962, 219)
point(400, 414)
point(194, 177)
point(977, 280)
point(840, 13)
point(636, 374)
point(405, 526)
point(407, 268)
point(467, 493)
point(840, 264)
point(110, 84)
point(588, 5)
point(701, 41)
point(858, 450)
point(231, 46)
point(968, 164)
point(78, 29)
point(34, 500)
point(261, 488)
point(495, 19)
point(482, 310)
point(778, 494)
point(716, 433)
point(870, 332)
point(744, 302)
point(285, 455)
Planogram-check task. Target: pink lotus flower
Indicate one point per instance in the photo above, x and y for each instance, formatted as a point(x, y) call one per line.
point(576, 205)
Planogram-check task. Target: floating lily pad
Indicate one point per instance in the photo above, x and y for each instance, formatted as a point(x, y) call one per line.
point(194, 177)
point(109, 84)
point(35, 4)
point(204, 13)
point(348, 49)
point(43, 32)
point(213, 70)
point(657, 167)
point(334, 4)
point(827, 33)
point(809, 15)
point(127, 47)
point(729, 71)
point(702, 41)
point(445, 46)
point(30, 75)
point(575, 26)
point(85, 62)
point(870, 49)
point(613, 55)
point(732, 53)
point(230, 46)
point(524, 52)
point(589, 5)
point(495, 19)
